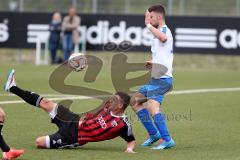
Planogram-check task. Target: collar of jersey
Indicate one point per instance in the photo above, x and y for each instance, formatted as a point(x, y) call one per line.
point(163, 26)
point(122, 116)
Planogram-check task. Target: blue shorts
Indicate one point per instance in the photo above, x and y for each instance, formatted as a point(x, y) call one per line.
point(156, 88)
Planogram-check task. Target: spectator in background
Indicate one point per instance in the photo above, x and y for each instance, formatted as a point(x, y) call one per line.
point(71, 34)
point(54, 39)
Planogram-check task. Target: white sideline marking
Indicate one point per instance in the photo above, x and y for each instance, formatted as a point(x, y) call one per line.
point(71, 97)
point(54, 99)
point(205, 90)
point(44, 95)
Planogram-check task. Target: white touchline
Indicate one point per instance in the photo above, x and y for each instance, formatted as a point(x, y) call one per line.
point(71, 97)
point(44, 95)
point(205, 90)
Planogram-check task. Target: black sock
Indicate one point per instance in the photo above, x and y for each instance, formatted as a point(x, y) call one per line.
point(29, 97)
point(3, 145)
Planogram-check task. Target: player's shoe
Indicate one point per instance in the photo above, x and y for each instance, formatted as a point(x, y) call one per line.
point(12, 154)
point(10, 80)
point(165, 145)
point(152, 139)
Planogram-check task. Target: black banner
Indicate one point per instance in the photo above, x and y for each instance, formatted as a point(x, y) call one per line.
point(191, 34)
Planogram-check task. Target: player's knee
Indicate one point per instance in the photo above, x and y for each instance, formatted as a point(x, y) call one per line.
point(40, 142)
point(134, 104)
point(47, 104)
point(137, 100)
point(44, 102)
point(2, 115)
point(132, 101)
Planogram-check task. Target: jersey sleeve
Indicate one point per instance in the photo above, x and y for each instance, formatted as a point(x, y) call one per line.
point(126, 133)
point(164, 29)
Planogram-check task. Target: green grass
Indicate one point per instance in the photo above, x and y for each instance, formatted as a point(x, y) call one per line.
point(204, 125)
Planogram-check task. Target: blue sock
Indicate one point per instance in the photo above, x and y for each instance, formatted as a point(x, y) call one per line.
point(146, 120)
point(160, 122)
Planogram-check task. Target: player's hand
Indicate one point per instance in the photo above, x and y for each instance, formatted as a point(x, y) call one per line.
point(148, 64)
point(129, 150)
point(147, 17)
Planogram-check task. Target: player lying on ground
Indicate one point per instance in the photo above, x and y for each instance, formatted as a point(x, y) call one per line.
point(8, 153)
point(74, 130)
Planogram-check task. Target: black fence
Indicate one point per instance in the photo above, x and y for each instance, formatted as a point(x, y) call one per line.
point(214, 35)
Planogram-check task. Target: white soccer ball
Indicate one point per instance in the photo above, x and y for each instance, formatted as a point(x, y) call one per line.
point(77, 61)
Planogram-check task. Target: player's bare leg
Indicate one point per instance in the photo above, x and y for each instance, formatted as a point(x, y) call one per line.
point(43, 142)
point(35, 100)
point(3, 144)
point(47, 105)
point(50, 107)
point(153, 107)
point(2, 115)
point(8, 153)
point(28, 96)
point(137, 101)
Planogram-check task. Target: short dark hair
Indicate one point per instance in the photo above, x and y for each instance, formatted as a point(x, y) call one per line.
point(158, 8)
point(125, 98)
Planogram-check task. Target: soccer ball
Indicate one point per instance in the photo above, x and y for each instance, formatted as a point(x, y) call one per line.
point(77, 61)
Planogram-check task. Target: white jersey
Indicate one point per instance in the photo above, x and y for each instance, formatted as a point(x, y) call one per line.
point(162, 53)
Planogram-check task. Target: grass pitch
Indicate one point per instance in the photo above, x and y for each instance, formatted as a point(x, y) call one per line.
point(203, 125)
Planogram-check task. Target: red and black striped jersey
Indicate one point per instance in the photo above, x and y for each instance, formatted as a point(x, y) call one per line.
point(103, 125)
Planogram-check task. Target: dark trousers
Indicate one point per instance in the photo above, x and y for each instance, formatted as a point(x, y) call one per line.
point(53, 46)
point(68, 45)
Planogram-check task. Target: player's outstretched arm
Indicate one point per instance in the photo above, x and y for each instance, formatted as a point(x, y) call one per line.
point(131, 147)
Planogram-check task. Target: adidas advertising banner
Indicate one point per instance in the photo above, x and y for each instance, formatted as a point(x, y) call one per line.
point(191, 34)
